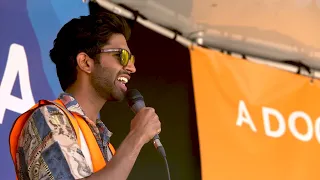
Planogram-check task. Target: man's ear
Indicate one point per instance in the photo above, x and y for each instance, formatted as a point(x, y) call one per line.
point(85, 63)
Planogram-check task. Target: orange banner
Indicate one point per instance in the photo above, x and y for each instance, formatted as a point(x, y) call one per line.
point(255, 122)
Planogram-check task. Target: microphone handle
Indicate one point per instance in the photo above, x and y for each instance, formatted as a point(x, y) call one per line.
point(156, 139)
point(157, 144)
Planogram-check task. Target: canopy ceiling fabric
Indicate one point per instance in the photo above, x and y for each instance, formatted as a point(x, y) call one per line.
point(289, 29)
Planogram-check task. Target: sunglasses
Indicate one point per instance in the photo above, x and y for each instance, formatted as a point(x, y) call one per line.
point(124, 55)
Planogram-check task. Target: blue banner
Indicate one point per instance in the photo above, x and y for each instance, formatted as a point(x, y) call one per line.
point(28, 28)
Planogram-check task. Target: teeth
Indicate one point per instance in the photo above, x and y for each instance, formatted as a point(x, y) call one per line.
point(122, 79)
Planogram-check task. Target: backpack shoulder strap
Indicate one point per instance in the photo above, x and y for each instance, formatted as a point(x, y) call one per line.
point(95, 152)
point(113, 150)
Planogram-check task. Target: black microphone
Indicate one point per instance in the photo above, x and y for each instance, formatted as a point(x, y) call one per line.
point(136, 102)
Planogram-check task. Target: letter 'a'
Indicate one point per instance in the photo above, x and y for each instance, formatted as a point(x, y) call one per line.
point(17, 64)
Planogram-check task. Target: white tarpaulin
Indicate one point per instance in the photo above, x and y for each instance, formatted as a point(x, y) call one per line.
point(273, 29)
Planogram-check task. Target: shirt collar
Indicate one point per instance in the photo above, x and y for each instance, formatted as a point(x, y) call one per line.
point(72, 105)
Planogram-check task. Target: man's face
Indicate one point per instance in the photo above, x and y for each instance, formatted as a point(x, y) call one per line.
point(109, 76)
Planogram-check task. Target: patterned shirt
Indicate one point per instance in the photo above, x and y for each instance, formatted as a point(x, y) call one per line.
point(48, 149)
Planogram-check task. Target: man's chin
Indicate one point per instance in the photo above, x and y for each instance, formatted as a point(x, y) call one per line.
point(117, 97)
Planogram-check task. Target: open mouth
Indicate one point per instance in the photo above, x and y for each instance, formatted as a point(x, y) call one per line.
point(123, 80)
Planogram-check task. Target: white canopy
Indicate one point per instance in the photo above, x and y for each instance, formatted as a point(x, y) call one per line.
point(274, 29)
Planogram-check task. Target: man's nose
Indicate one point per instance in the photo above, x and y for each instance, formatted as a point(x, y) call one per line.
point(131, 68)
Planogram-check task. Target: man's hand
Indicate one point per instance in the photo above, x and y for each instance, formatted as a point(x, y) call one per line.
point(146, 124)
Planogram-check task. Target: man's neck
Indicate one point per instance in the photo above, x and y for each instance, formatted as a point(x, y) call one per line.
point(89, 102)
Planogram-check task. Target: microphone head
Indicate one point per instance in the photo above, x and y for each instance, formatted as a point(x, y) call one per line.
point(133, 96)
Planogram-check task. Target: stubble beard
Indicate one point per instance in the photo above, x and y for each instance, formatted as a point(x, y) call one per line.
point(103, 81)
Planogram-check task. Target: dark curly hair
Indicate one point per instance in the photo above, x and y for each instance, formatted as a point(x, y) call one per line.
point(84, 34)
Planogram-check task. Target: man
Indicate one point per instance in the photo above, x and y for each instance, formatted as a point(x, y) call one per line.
point(93, 64)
